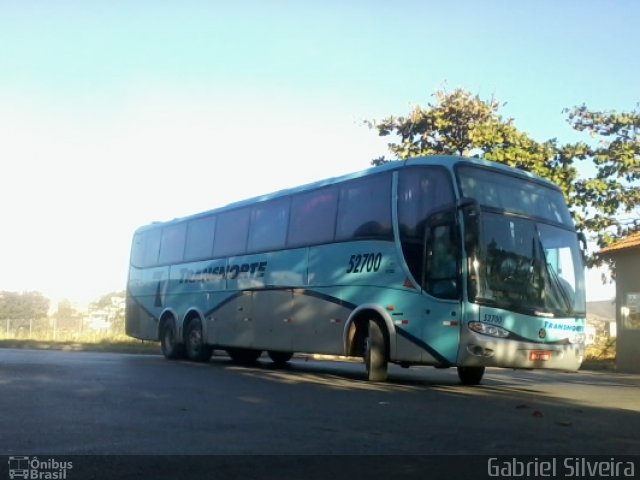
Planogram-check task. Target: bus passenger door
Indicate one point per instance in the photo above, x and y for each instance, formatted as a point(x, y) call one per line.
point(441, 282)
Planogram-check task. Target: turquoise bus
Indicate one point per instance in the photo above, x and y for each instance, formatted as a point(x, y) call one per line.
point(443, 261)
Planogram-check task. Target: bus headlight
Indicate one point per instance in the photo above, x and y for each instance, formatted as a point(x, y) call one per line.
point(486, 329)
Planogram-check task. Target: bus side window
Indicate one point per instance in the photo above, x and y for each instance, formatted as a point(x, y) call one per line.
point(172, 243)
point(441, 269)
point(421, 191)
point(199, 241)
point(313, 217)
point(231, 233)
point(268, 229)
point(137, 250)
point(151, 248)
point(364, 210)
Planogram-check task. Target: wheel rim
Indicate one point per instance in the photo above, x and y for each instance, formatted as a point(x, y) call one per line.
point(375, 354)
point(168, 339)
point(367, 353)
point(195, 340)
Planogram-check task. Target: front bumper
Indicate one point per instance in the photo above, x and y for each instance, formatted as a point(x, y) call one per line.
point(482, 350)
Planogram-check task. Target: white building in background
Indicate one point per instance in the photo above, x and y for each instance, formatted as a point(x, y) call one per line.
point(97, 320)
point(625, 252)
point(101, 319)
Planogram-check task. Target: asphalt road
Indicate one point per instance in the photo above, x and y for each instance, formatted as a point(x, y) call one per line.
point(57, 402)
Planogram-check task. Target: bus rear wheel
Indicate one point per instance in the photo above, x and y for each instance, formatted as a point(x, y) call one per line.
point(171, 348)
point(376, 356)
point(196, 348)
point(470, 375)
point(280, 359)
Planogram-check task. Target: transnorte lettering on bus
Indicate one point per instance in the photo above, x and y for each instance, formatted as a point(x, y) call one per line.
point(563, 327)
point(213, 274)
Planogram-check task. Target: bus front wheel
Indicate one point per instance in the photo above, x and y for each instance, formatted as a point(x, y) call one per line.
point(376, 355)
point(197, 349)
point(171, 349)
point(280, 359)
point(470, 375)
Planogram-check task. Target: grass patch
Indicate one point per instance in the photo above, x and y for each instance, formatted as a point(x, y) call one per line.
point(115, 345)
point(601, 356)
point(603, 350)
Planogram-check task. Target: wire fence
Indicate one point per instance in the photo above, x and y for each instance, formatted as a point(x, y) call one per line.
point(50, 329)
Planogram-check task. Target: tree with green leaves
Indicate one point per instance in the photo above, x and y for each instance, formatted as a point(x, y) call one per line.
point(113, 304)
point(608, 203)
point(106, 300)
point(459, 123)
point(23, 306)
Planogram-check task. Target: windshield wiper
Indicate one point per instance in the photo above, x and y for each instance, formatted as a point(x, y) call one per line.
point(559, 287)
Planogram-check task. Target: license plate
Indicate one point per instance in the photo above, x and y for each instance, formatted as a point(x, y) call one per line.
point(540, 355)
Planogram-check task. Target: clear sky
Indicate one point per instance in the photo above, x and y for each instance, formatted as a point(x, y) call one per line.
point(117, 113)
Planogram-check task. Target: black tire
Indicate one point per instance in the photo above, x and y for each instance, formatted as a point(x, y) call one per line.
point(280, 359)
point(244, 356)
point(196, 348)
point(171, 348)
point(376, 355)
point(470, 375)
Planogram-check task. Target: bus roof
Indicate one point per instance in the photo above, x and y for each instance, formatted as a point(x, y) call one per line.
point(448, 161)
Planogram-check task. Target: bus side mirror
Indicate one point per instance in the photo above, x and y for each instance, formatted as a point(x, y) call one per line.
point(470, 209)
point(582, 240)
point(468, 203)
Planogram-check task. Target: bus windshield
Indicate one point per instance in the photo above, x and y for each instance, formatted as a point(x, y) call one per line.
point(514, 194)
point(526, 255)
point(526, 266)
